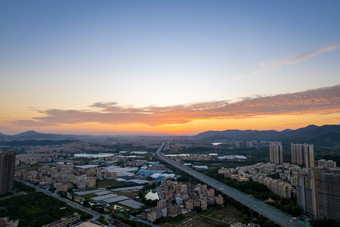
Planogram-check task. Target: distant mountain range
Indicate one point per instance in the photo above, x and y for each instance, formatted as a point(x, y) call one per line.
point(327, 135)
point(33, 135)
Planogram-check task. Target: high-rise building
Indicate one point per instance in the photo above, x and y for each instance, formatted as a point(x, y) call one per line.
point(328, 192)
point(303, 154)
point(305, 192)
point(318, 192)
point(275, 152)
point(7, 171)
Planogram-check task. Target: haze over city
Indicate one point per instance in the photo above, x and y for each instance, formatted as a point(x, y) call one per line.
point(168, 67)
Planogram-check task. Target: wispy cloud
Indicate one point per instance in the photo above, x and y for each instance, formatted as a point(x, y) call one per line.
point(319, 101)
point(265, 67)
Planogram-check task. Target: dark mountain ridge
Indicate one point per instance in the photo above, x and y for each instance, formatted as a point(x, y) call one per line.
point(326, 135)
point(321, 135)
point(33, 135)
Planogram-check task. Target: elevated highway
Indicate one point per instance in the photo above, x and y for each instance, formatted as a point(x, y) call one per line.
point(277, 216)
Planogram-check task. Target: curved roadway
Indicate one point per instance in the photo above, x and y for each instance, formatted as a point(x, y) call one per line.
point(272, 213)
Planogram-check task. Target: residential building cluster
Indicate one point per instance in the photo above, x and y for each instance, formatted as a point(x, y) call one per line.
point(302, 156)
point(178, 145)
point(316, 187)
point(191, 157)
point(177, 198)
point(65, 177)
point(260, 172)
point(37, 158)
point(205, 157)
point(65, 148)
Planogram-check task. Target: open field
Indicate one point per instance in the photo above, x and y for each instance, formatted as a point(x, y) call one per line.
point(109, 183)
point(215, 216)
point(129, 193)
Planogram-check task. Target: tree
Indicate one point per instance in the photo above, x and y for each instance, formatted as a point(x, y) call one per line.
point(325, 222)
point(102, 220)
point(198, 209)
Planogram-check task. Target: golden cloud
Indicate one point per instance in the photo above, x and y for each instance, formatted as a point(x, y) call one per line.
point(318, 101)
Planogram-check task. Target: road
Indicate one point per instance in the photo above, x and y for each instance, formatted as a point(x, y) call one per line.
point(80, 207)
point(277, 216)
point(70, 203)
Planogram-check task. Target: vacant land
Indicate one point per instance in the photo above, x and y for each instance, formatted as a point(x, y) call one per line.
point(129, 193)
point(110, 184)
point(215, 216)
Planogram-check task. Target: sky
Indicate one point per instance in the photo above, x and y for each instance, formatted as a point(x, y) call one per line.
point(168, 67)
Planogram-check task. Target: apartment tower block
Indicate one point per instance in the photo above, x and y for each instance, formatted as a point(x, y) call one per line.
point(7, 171)
point(318, 192)
point(303, 154)
point(275, 152)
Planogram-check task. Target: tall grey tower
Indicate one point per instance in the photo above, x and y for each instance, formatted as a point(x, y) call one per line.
point(275, 152)
point(7, 171)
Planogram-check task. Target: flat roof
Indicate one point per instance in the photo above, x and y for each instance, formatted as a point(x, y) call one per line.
point(88, 224)
point(131, 203)
point(126, 188)
point(137, 181)
point(116, 199)
point(104, 197)
point(89, 192)
point(104, 192)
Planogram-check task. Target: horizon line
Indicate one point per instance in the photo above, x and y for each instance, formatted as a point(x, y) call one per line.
point(160, 134)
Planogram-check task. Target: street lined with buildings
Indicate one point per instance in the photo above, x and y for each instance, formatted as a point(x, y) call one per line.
point(260, 207)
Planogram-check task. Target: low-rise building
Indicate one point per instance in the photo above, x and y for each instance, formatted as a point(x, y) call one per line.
point(65, 221)
point(6, 222)
point(152, 216)
point(219, 200)
point(189, 204)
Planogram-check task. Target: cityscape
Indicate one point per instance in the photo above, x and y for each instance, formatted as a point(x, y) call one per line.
point(169, 113)
point(171, 180)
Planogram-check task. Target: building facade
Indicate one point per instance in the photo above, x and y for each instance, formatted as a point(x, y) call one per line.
point(326, 163)
point(275, 153)
point(305, 192)
point(7, 171)
point(303, 154)
point(328, 192)
point(318, 192)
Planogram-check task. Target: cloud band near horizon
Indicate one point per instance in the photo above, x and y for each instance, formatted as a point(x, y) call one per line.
point(265, 67)
point(318, 101)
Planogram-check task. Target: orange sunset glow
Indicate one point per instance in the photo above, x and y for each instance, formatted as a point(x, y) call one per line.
point(119, 68)
point(279, 122)
point(320, 106)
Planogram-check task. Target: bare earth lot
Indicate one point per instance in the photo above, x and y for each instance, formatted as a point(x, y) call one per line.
point(216, 216)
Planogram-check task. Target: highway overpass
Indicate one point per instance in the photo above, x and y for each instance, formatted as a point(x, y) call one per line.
point(277, 216)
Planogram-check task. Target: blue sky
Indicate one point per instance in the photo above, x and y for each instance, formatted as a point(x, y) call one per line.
point(71, 54)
